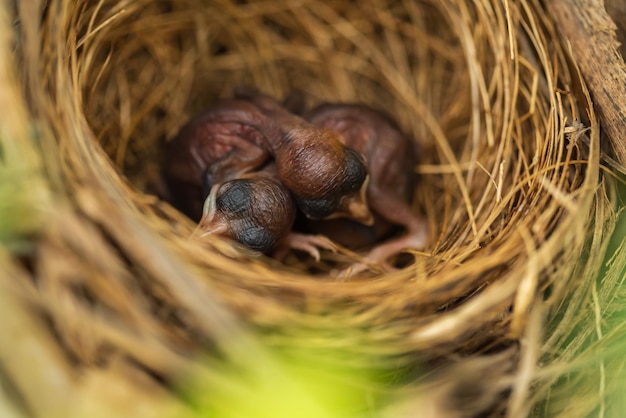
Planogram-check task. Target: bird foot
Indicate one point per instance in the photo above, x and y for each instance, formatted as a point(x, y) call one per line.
point(376, 259)
point(310, 244)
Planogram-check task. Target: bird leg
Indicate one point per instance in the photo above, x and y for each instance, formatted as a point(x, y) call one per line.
point(303, 242)
point(398, 212)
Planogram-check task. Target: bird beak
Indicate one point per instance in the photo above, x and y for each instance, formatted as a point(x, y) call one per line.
point(360, 212)
point(210, 224)
point(357, 207)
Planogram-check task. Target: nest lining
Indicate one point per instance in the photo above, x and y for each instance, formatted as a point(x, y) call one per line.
point(481, 86)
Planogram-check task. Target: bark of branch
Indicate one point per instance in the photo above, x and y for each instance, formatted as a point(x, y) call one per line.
point(587, 27)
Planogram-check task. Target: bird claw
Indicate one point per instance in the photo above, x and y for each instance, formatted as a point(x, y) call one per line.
point(310, 244)
point(376, 259)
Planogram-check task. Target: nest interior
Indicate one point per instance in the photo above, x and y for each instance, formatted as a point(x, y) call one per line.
point(509, 184)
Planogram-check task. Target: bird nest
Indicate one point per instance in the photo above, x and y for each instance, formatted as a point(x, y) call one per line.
point(120, 303)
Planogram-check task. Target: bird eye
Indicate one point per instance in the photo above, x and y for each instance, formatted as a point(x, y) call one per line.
point(356, 171)
point(234, 197)
point(256, 238)
point(317, 208)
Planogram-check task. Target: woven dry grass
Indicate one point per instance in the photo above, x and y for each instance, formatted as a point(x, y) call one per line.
point(109, 286)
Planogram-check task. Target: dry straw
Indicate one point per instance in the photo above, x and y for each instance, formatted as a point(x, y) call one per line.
point(105, 286)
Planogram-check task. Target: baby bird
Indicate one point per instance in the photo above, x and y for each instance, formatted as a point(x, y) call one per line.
point(257, 211)
point(222, 143)
point(327, 178)
point(391, 157)
point(224, 153)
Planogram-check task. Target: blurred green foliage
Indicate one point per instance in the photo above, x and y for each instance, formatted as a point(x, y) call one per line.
point(23, 201)
point(294, 385)
point(613, 354)
point(591, 361)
